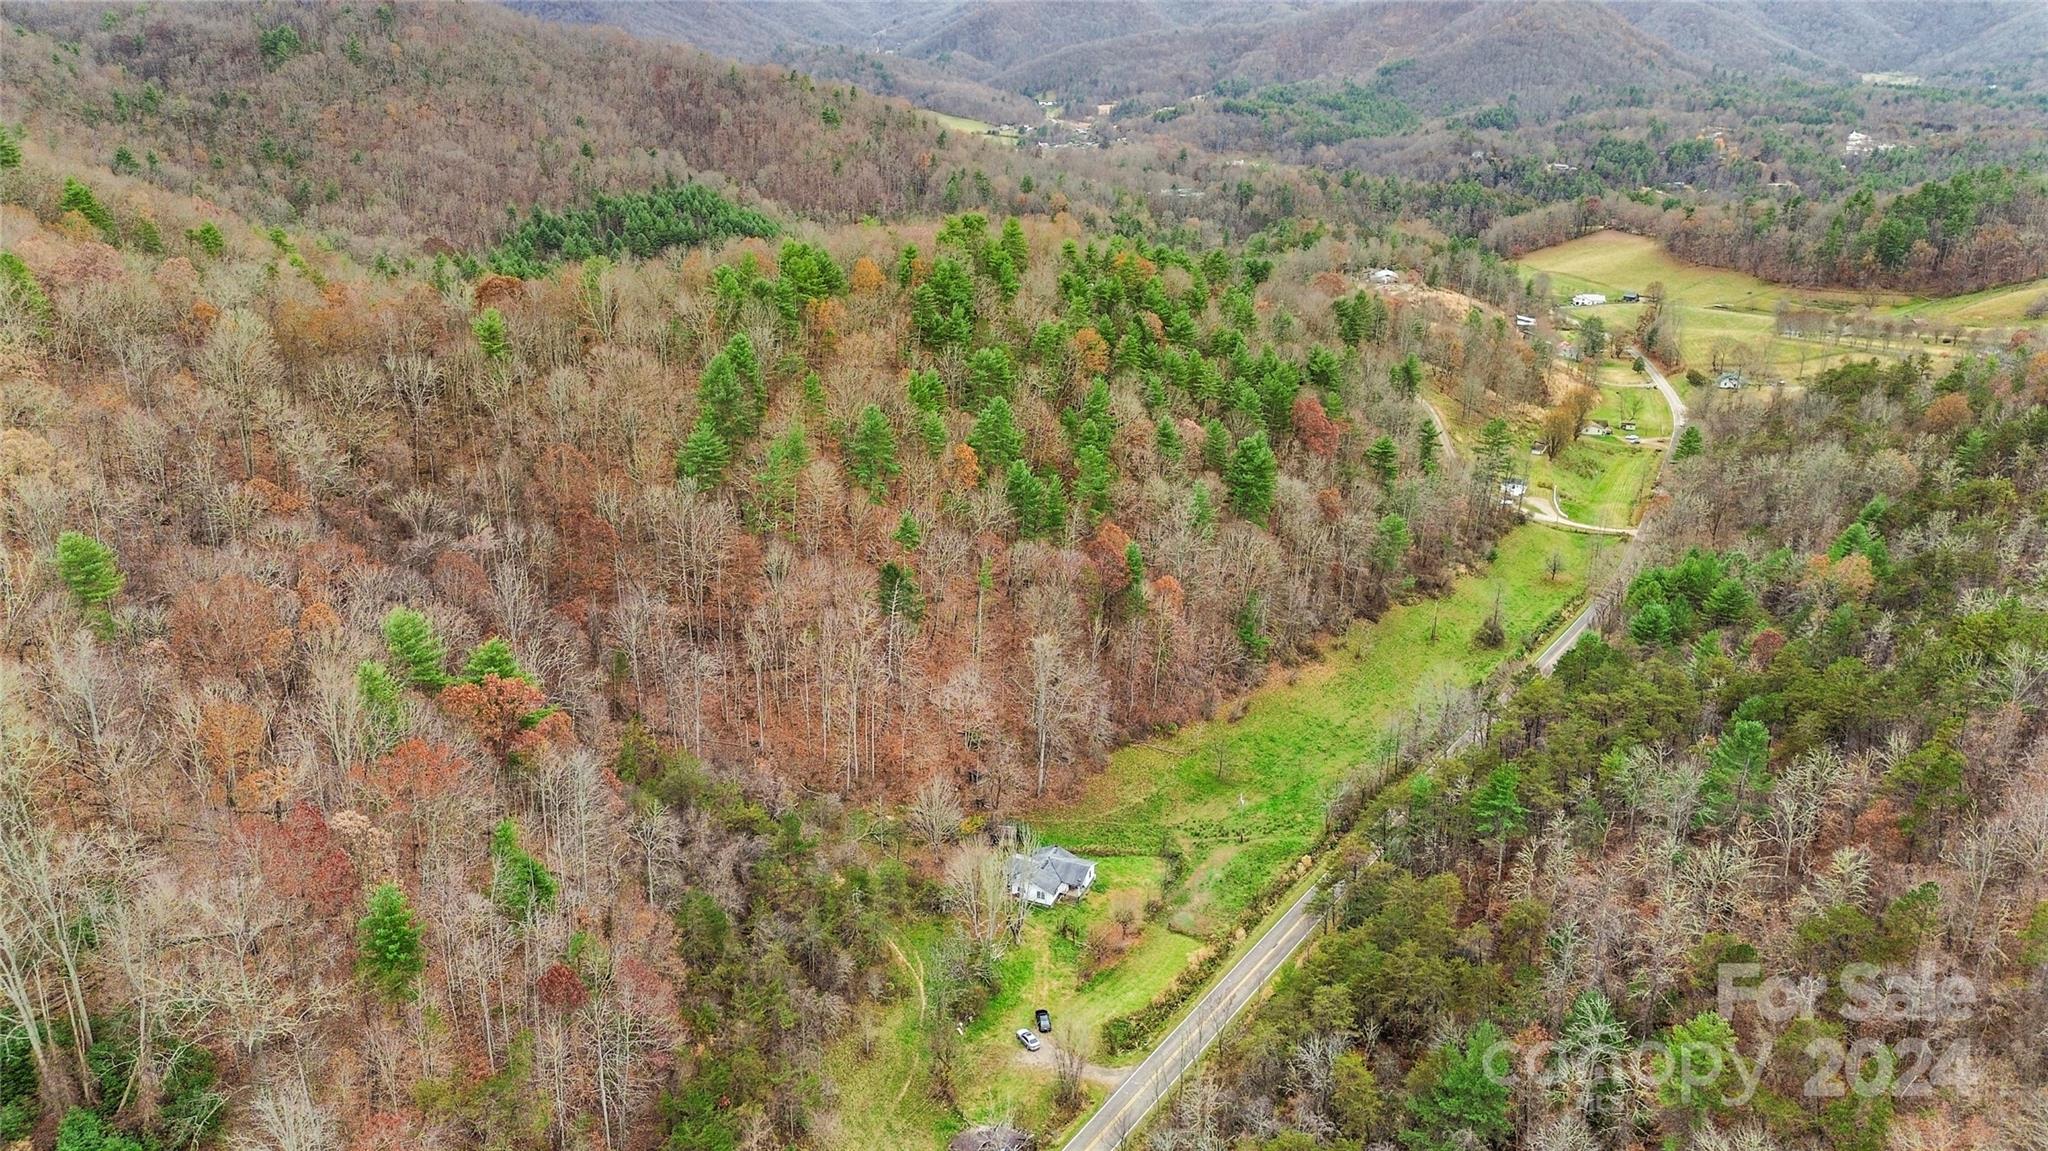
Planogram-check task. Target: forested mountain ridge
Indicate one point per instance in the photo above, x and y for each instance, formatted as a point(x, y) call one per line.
point(1542, 54)
point(425, 125)
point(505, 680)
point(1760, 866)
point(1754, 136)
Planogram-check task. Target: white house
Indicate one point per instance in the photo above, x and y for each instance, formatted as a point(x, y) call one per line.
point(1525, 321)
point(1588, 300)
point(1385, 276)
point(1728, 382)
point(1049, 873)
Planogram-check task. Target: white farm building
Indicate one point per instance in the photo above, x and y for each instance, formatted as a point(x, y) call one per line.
point(1588, 300)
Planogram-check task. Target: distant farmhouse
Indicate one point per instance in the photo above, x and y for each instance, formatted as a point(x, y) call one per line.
point(1048, 874)
point(1385, 276)
point(1728, 382)
point(1588, 300)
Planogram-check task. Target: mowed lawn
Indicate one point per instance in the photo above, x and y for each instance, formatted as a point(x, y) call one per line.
point(1719, 304)
point(1597, 479)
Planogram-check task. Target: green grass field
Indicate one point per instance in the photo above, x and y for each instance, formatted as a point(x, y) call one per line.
point(1718, 306)
point(1599, 479)
point(1242, 801)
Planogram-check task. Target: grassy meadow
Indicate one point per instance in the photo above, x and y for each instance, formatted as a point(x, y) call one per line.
point(1237, 802)
point(1719, 306)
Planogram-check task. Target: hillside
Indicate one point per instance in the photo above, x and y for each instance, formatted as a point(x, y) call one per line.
point(487, 665)
point(1541, 54)
point(399, 125)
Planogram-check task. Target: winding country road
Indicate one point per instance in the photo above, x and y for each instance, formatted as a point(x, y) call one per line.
point(1149, 1082)
point(1184, 1046)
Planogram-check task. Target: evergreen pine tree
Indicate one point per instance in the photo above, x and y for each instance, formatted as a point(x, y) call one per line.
point(415, 648)
point(1384, 459)
point(1426, 447)
point(1738, 772)
point(871, 452)
point(20, 283)
point(746, 366)
point(389, 956)
point(1201, 511)
point(1407, 376)
point(896, 585)
point(1497, 812)
point(489, 330)
point(1216, 445)
point(1690, 443)
point(89, 568)
point(1251, 477)
point(703, 457)
point(383, 698)
point(493, 657)
point(79, 198)
point(1014, 245)
point(990, 372)
point(786, 459)
point(1168, 438)
point(1091, 482)
point(1026, 495)
point(1496, 448)
point(927, 391)
point(10, 151)
point(722, 395)
point(995, 438)
point(207, 238)
point(521, 885)
point(908, 534)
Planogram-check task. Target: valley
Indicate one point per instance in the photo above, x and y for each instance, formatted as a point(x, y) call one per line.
point(603, 577)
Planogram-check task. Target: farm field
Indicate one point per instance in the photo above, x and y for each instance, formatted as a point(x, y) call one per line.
point(1721, 309)
point(1597, 479)
point(1236, 803)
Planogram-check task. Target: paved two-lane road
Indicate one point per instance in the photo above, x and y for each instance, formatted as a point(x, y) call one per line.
point(1133, 1099)
point(1184, 1046)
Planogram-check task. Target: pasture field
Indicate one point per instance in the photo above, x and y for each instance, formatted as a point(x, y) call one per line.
point(1719, 307)
point(1240, 802)
point(1237, 803)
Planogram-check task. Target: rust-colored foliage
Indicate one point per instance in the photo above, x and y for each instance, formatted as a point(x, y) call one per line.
point(963, 468)
point(231, 626)
point(1317, 432)
point(1091, 353)
point(866, 278)
point(414, 772)
point(231, 739)
point(561, 989)
point(510, 716)
point(1947, 414)
point(1106, 551)
point(303, 858)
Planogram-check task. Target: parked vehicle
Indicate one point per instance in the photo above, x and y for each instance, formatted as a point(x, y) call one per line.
point(1029, 1040)
point(1044, 1021)
point(1632, 438)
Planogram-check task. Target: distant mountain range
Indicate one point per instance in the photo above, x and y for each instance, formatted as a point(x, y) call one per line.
point(1456, 54)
